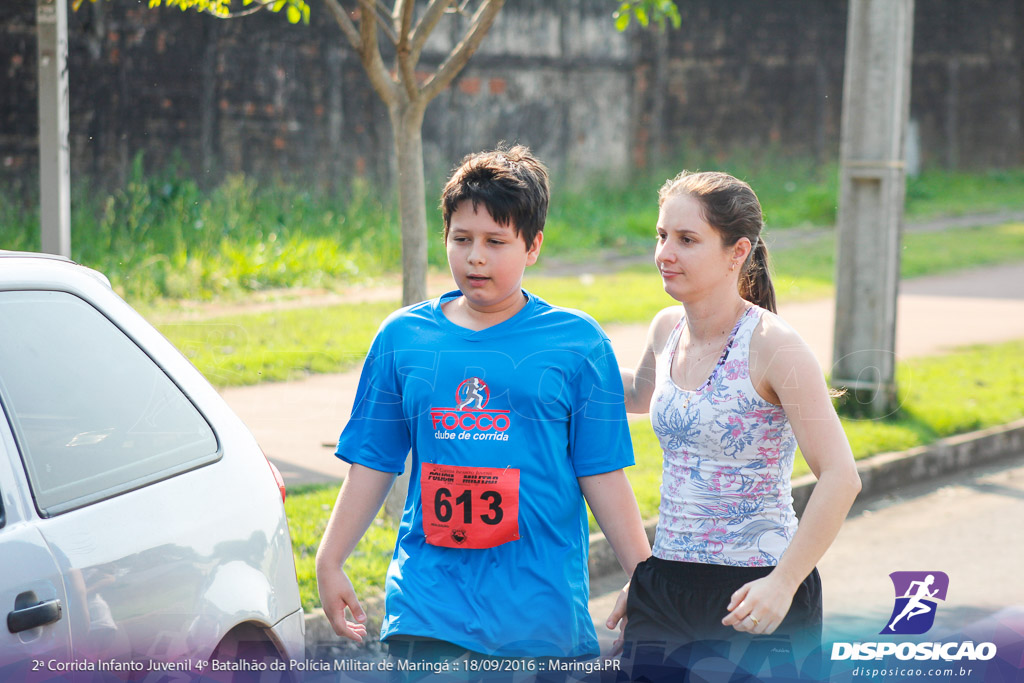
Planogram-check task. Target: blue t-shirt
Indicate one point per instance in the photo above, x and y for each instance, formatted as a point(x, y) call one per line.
point(537, 397)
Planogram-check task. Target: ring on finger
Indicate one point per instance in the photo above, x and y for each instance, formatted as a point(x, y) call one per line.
point(753, 619)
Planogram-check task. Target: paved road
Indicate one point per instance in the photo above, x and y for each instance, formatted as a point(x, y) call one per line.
point(967, 525)
point(298, 423)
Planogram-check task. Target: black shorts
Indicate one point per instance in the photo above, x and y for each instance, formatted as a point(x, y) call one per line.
point(675, 613)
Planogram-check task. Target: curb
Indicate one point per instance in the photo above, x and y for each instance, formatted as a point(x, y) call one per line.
point(879, 474)
point(886, 472)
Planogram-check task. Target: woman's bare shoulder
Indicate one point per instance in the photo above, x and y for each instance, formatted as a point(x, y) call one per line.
point(775, 340)
point(662, 325)
point(773, 333)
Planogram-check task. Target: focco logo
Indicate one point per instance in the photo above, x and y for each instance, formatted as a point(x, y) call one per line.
point(470, 418)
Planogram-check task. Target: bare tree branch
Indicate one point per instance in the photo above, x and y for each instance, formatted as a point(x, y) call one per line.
point(345, 22)
point(235, 15)
point(460, 54)
point(369, 54)
point(382, 16)
point(425, 26)
point(403, 25)
point(403, 17)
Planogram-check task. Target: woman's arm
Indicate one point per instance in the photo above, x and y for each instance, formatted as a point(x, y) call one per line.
point(784, 368)
point(638, 382)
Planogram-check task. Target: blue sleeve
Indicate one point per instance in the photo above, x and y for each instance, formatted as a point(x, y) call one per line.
point(599, 439)
point(377, 433)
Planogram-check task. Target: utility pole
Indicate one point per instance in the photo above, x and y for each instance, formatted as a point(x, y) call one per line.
point(54, 150)
point(876, 106)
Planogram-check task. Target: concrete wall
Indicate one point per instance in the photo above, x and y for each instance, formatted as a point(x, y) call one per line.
point(258, 95)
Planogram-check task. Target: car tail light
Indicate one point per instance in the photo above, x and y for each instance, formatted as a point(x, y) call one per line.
point(277, 476)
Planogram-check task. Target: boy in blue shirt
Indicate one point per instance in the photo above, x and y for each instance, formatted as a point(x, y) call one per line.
point(513, 411)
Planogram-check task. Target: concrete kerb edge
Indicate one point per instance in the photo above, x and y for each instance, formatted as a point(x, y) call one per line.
point(879, 474)
point(890, 471)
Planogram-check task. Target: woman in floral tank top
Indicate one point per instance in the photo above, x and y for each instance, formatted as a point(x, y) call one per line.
point(731, 390)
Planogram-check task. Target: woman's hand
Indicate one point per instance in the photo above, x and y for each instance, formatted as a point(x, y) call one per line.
point(760, 606)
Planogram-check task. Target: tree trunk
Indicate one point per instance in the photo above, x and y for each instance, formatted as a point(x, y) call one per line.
point(407, 130)
point(407, 127)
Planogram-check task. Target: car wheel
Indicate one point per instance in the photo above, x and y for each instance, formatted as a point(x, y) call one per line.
point(247, 655)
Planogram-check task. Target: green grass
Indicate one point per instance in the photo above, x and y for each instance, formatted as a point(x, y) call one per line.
point(308, 510)
point(945, 193)
point(247, 349)
point(811, 267)
point(252, 348)
point(969, 389)
point(163, 235)
point(973, 388)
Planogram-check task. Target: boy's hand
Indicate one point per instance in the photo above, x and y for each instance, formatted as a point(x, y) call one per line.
point(618, 618)
point(360, 497)
point(336, 593)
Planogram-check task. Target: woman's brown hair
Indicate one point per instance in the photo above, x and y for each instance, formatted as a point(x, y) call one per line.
point(730, 206)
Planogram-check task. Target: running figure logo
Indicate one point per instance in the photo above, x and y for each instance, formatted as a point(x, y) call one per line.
point(916, 596)
point(472, 390)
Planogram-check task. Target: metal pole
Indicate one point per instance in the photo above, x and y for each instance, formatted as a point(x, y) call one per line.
point(876, 106)
point(54, 157)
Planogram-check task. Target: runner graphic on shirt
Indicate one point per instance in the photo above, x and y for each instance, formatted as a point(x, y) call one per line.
point(474, 390)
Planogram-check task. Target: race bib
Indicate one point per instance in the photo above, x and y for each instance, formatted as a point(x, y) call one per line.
point(469, 507)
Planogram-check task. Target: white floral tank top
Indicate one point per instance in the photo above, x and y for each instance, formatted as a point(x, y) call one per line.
point(725, 488)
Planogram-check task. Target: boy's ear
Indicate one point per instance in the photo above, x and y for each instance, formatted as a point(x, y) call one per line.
point(533, 251)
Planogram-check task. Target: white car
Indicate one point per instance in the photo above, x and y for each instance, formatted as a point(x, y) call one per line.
point(141, 526)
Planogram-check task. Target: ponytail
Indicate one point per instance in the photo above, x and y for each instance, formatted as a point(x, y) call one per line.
point(756, 281)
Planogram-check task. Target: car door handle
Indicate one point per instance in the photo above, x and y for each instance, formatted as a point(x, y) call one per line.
point(33, 617)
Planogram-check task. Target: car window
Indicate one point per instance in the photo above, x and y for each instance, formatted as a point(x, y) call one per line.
point(92, 414)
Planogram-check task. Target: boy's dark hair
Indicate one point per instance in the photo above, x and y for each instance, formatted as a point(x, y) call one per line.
point(510, 182)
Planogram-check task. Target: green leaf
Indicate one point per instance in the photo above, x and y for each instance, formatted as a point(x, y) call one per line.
point(278, 5)
point(673, 14)
point(621, 20)
point(641, 15)
point(294, 15)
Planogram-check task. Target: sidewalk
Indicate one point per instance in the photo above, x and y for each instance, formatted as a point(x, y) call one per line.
point(298, 423)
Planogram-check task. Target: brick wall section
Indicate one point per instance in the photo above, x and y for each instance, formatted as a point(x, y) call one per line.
point(753, 75)
point(967, 91)
point(261, 96)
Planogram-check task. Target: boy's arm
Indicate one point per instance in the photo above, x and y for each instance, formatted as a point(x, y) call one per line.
point(360, 499)
point(614, 506)
point(611, 499)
